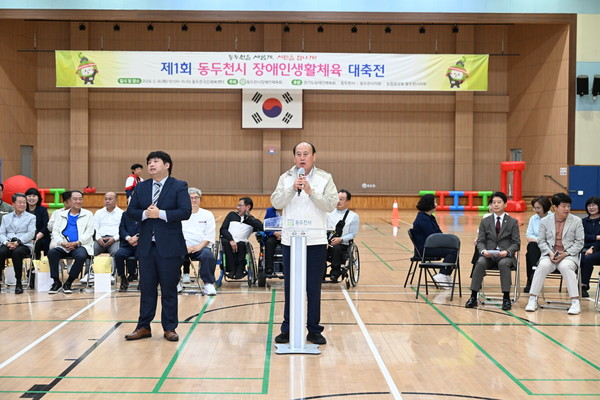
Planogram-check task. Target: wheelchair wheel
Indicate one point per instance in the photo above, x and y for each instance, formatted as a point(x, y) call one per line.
point(353, 264)
point(251, 265)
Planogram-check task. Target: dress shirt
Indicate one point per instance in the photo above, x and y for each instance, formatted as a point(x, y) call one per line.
point(107, 223)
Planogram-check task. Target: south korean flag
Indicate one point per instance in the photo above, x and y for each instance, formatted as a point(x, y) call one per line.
point(272, 109)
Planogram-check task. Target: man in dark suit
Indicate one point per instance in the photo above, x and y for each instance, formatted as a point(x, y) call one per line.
point(159, 204)
point(497, 242)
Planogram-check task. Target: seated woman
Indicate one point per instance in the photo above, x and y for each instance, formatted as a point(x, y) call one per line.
point(42, 234)
point(541, 205)
point(590, 255)
point(424, 225)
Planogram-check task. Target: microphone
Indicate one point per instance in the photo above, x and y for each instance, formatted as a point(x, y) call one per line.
point(301, 173)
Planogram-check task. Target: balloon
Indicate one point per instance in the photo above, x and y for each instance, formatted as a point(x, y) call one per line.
point(16, 184)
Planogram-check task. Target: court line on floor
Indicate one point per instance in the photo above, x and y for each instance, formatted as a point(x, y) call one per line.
point(269, 345)
point(556, 342)
point(52, 331)
point(479, 347)
point(386, 374)
point(376, 255)
point(167, 370)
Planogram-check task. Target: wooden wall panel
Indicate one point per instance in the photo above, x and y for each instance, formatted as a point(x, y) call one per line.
point(538, 90)
point(17, 87)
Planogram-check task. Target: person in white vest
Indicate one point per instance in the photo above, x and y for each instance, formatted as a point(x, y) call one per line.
point(306, 194)
point(344, 232)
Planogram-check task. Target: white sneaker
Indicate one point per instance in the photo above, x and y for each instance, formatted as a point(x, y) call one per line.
point(112, 279)
point(443, 281)
point(185, 278)
point(179, 288)
point(88, 277)
point(575, 308)
point(532, 304)
point(209, 289)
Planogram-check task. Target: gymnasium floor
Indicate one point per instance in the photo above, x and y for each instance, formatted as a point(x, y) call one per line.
point(383, 343)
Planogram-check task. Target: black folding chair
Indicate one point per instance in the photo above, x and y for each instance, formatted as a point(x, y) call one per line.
point(448, 243)
point(415, 260)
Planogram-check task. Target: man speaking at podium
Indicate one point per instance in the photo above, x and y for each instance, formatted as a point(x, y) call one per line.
point(306, 194)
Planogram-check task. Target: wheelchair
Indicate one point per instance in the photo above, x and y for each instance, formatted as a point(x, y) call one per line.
point(250, 273)
point(277, 272)
point(350, 267)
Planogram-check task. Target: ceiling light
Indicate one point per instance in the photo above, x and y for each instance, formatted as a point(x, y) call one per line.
point(422, 30)
point(286, 28)
point(354, 29)
point(455, 28)
point(116, 28)
point(150, 27)
point(82, 27)
point(388, 29)
point(320, 29)
point(219, 28)
point(252, 28)
point(184, 28)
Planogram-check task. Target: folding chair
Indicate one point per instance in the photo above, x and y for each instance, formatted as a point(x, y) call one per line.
point(447, 242)
point(596, 304)
point(559, 304)
point(415, 260)
point(515, 283)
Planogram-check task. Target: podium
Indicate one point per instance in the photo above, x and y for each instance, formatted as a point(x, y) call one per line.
point(297, 343)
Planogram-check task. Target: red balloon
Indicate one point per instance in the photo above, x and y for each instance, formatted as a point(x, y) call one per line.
point(16, 184)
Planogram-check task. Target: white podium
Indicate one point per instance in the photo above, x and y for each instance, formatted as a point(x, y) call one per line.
point(297, 343)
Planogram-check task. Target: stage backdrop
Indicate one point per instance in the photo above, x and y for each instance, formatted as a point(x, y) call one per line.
point(299, 71)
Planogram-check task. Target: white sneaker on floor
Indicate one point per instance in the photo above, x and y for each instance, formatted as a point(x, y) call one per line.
point(112, 279)
point(444, 281)
point(532, 304)
point(87, 277)
point(179, 288)
point(575, 308)
point(209, 289)
point(185, 278)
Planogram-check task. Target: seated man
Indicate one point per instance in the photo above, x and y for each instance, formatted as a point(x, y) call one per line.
point(272, 238)
point(234, 232)
point(497, 242)
point(106, 225)
point(560, 238)
point(66, 198)
point(17, 230)
point(346, 224)
point(199, 234)
point(73, 233)
point(129, 232)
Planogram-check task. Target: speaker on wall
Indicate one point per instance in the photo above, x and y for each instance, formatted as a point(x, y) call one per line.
point(583, 84)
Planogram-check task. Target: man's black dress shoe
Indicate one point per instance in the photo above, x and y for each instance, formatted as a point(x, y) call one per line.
point(316, 338)
point(282, 338)
point(471, 303)
point(506, 305)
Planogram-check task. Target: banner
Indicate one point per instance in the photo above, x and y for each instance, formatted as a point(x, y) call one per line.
point(299, 71)
point(276, 109)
